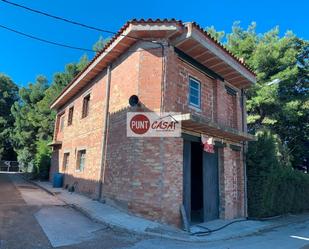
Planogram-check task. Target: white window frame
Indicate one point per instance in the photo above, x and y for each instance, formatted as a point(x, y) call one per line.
point(199, 92)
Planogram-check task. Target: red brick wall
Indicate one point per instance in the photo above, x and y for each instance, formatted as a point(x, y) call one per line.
point(55, 159)
point(84, 133)
point(177, 88)
point(232, 184)
point(173, 180)
point(144, 175)
point(231, 111)
point(185, 72)
point(218, 106)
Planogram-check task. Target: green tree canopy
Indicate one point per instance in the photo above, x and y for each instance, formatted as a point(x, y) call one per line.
point(99, 45)
point(279, 100)
point(8, 95)
point(27, 120)
point(34, 120)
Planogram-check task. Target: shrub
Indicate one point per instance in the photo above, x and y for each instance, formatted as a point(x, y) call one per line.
point(42, 160)
point(273, 188)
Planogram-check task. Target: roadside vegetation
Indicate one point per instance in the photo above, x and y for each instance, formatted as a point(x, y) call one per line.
point(278, 113)
point(274, 187)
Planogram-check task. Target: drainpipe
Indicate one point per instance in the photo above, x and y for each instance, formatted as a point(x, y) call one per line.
point(163, 75)
point(244, 153)
point(105, 127)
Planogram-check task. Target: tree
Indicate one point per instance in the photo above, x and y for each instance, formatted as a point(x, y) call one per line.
point(273, 188)
point(34, 120)
point(27, 120)
point(59, 82)
point(99, 45)
point(8, 95)
point(242, 42)
point(281, 106)
point(262, 162)
point(278, 113)
point(293, 95)
point(218, 35)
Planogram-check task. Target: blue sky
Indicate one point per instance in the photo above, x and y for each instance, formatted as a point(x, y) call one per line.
point(23, 59)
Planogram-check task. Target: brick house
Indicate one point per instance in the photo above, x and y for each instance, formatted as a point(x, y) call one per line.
point(183, 69)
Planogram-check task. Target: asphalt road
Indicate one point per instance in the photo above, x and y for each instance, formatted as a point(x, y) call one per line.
point(32, 219)
point(294, 236)
point(20, 202)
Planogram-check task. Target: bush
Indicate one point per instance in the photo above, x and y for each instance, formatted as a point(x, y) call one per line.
point(42, 160)
point(273, 188)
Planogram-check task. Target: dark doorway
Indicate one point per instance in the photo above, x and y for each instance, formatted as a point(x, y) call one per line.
point(201, 183)
point(196, 183)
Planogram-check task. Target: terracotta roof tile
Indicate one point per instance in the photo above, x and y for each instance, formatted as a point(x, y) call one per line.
point(150, 21)
point(222, 46)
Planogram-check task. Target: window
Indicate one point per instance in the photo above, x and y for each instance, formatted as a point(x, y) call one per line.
point(86, 106)
point(81, 158)
point(70, 117)
point(65, 163)
point(61, 122)
point(194, 92)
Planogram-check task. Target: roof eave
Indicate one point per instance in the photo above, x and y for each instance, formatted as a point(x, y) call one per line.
point(197, 44)
point(108, 54)
point(174, 30)
point(220, 53)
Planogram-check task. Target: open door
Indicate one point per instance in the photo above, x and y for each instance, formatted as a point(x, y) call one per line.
point(200, 182)
point(211, 185)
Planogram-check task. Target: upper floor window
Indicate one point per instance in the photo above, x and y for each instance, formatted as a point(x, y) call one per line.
point(194, 92)
point(81, 158)
point(86, 101)
point(61, 123)
point(70, 116)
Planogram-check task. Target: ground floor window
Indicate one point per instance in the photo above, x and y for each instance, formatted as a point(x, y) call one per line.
point(81, 158)
point(65, 163)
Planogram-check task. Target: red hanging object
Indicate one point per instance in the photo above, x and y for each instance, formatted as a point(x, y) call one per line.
point(208, 143)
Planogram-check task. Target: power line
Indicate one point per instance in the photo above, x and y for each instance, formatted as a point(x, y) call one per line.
point(46, 41)
point(62, 44)
point(81, 25)
point(88, 27)
point(71, 21)
point(56, 17)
